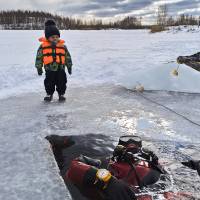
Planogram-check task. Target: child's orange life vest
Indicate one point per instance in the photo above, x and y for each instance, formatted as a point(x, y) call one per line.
point(53, 54)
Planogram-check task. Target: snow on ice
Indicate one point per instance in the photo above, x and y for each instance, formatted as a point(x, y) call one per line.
point(118, 56)
point(106, 64)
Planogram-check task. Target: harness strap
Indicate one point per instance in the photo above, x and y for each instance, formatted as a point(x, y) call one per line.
point(57, 47)
point(133, 169)
point(136, 174)
point(54, 53)
point(50, 54)
point(60, 58)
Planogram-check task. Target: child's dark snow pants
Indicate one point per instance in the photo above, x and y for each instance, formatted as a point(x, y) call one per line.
point(55, 79)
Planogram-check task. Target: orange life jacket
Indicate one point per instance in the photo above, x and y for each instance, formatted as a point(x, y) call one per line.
point(53, 54)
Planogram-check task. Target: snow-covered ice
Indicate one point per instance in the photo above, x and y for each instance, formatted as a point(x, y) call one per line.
point(106, 64)
point(114, 56)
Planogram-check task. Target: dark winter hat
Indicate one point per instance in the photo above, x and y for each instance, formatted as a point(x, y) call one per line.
point(51, 28)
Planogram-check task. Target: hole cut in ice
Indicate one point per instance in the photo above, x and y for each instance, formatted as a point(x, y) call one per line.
point(91, 145)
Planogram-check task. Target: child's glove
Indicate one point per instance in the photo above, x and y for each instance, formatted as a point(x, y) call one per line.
point(40, 71)
point(70, 70)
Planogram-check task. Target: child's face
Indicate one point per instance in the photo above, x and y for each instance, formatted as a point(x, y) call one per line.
point(54, 39)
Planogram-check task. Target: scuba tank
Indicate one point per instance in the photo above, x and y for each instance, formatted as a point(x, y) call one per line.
point(130, 164)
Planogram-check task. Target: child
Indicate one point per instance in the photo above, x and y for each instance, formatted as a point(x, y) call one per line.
point(54, 56)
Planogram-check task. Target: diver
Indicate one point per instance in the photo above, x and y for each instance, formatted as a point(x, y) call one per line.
point(116, 177)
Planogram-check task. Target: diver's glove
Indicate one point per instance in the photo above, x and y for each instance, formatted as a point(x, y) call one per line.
point(150, 156)
point(192, 164)
point(118, 190)
point(60, 141)
point(154, 158)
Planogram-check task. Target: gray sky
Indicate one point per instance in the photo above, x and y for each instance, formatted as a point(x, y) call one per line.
point(105, 8)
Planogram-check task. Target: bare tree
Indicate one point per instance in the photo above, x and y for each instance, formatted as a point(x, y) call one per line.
point(162, 15)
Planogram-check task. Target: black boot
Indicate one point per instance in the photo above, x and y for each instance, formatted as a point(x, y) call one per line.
point(62, 98)
point(48, 98)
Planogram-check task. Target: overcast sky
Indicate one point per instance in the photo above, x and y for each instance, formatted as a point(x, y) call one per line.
point(105, 8)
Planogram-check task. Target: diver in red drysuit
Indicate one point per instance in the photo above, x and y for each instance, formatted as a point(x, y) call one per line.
point(130, 166)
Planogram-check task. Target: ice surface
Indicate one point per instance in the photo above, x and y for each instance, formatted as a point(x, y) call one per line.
point(28, 168)
point(96, 103)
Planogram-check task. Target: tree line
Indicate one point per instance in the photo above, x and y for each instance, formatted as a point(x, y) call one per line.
point(164, 19)
point(34, 20)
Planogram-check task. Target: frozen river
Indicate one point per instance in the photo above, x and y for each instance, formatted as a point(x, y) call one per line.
point(106, 63)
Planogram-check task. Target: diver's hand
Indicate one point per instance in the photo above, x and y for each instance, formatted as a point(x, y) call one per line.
point(192, 164)
point(154, 159)
point(118, 190)
point(150, 156)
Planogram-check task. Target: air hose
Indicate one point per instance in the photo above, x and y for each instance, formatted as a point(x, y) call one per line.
point(165, 107)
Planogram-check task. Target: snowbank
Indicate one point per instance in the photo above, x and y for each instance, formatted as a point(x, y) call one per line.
point(161, 78)
point(186, 29)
